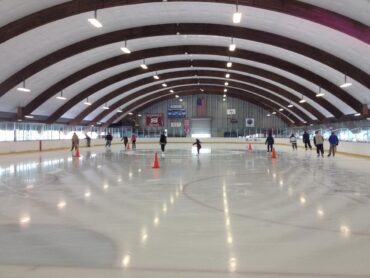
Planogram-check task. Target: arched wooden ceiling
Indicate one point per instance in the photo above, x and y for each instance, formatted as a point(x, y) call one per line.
point(191, 72)
point(243, 54)
point(189, 80)
point(287, 118)
point(299, 9)
point(286, 73)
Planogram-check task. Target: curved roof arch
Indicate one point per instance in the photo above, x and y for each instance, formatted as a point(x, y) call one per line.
point(145, 86)
point(302, 10)
point(219, 51)
point(270, 104)
point(186, 91)
point(160, 67)
point(295, 47)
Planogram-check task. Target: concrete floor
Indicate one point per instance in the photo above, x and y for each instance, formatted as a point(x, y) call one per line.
point(226, 213)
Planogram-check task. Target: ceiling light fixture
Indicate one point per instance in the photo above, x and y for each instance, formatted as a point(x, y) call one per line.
point(232, 45)
point(302, 100)
point(172, 91)
point(357, 114)
point(29, 116)
point(290, 105)
point(226, 83)
point(23, 88)
point(181, 100)
point(164, 85)
point(130, 113)
point(281, 109)
point(274, 113)
point(61, 97)
point(320, 93)
point(225, 90)
point(224, 95)
point(345, 84)
point(143, 65)
point(125, 49)
point(94, 21)
point(119, 111)
point(237, 16)
point(87, 102)
point(155, 76)
point(227, 75)
point(176, 96)
point(268, 115)
point(106, 107)
point(224, 99)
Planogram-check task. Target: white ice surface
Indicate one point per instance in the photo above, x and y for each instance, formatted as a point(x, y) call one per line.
point(226, 213)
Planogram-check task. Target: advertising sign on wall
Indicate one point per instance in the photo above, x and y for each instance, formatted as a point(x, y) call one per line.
point(155, 120)
point(231, 111)
point(175, 124)
point(176, 111)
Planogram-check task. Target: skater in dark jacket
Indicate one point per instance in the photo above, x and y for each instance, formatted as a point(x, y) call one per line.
point(108, 140)
point(198, 144)
point(306, 140)
point(269, 142)
point(163, 141)
point(125, 141)
point(88, 140)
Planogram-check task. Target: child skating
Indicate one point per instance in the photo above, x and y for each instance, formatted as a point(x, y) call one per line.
point(198, 144)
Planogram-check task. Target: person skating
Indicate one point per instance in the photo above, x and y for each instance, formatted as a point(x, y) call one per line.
point(198, 144)
point(293, 141)
point(75, 141)
point(108, 140)
point(269, 142)
point(333, 141)
point(125, 141)
point(306, 140)
point(318, 140)
point(163, 142)
point(133, 141)
point(88, 141)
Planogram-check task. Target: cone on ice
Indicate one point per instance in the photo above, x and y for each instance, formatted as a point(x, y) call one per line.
point(250, 147)
point(77, 154)
point(156, 164)
point(273, 154)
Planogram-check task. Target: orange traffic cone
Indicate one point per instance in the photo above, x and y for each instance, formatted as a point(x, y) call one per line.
point(156, 164)
point(250, 147)
point(128, 146)
point(77, 154)
point(273, 155)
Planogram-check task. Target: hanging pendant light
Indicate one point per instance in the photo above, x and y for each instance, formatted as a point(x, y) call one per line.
point(94, 21)
point(23, 88)
point(346, 83)
point(125, 49)
point(320, 93)
point(61, 97)
point(237, 16)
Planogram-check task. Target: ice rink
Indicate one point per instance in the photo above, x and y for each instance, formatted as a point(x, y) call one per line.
point(226, 213)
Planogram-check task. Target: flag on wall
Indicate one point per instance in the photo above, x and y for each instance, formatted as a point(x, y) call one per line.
point(201, 107)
